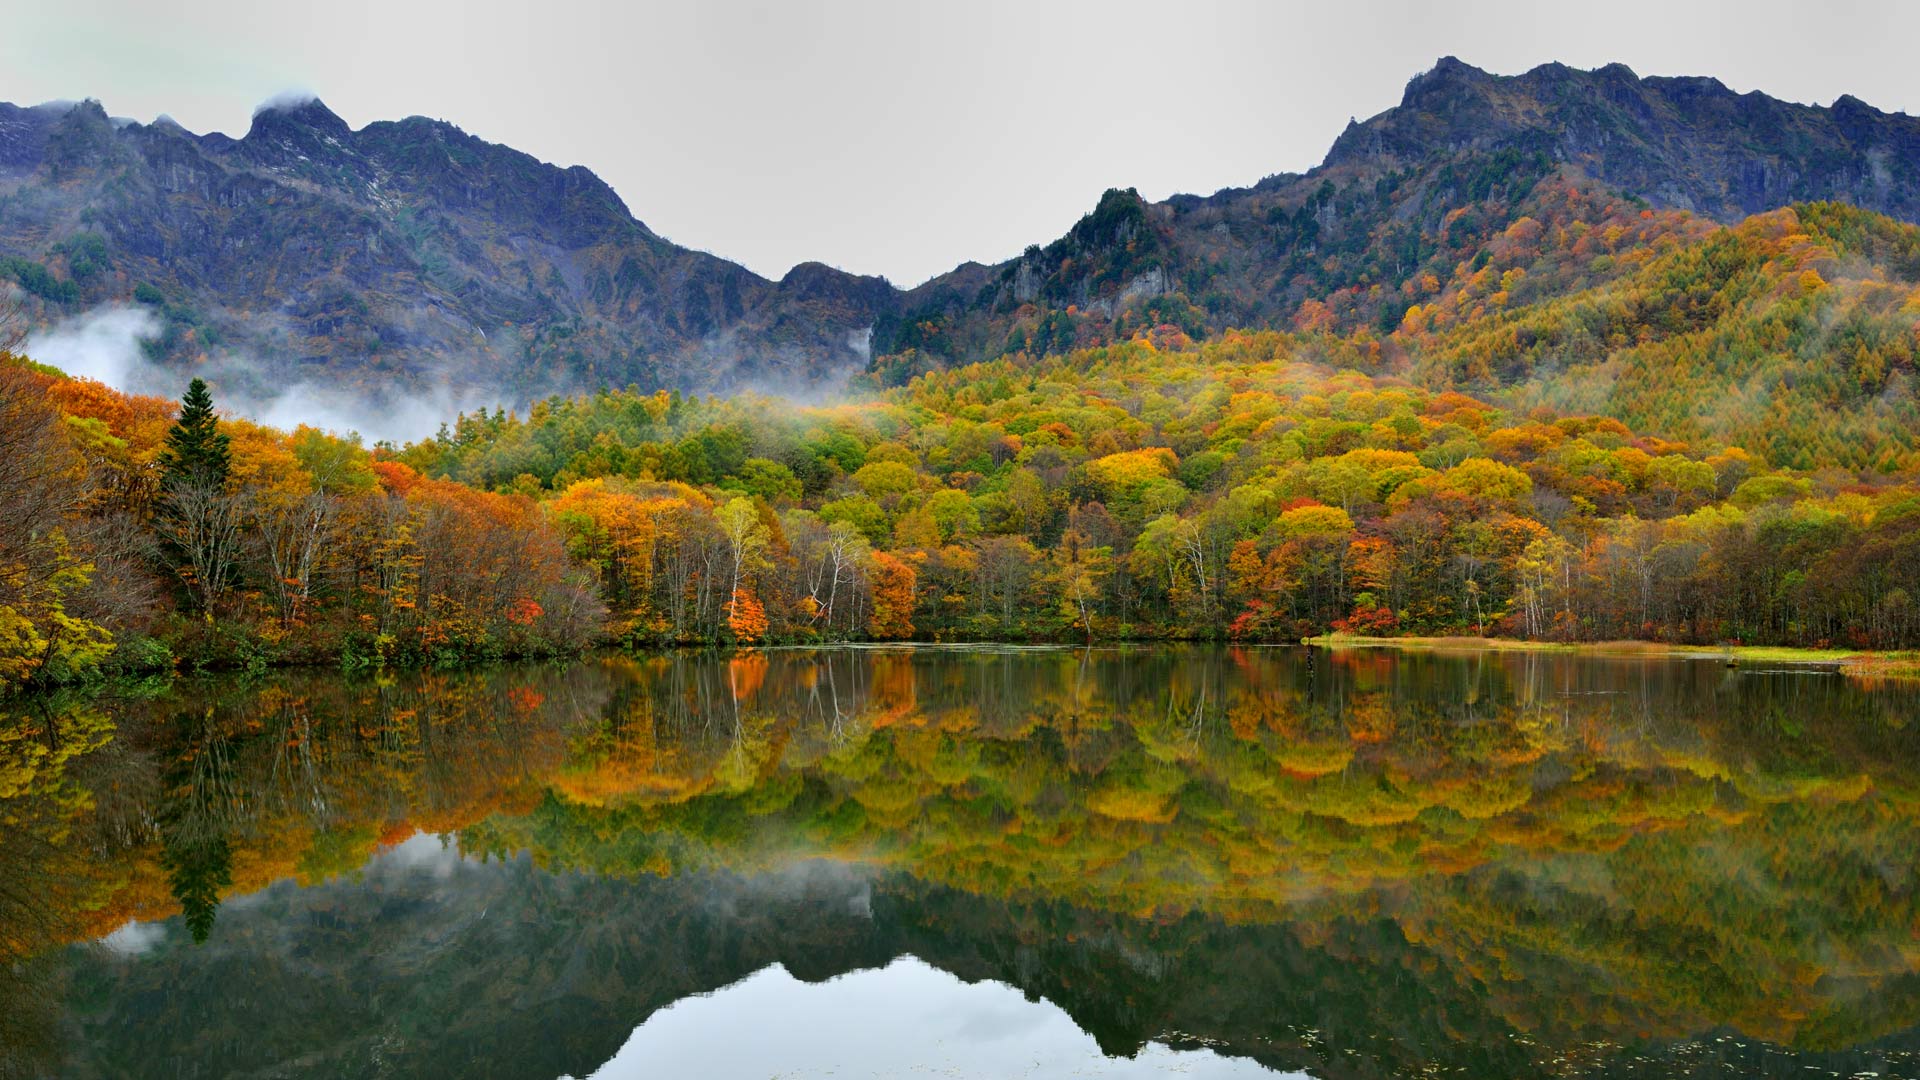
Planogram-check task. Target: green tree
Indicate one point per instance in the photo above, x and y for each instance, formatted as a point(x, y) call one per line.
point(196, 450)
point(199, 520)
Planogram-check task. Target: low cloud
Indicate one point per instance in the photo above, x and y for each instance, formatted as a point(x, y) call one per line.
point(286, 99)
point(103, 344)
point(407, 416)
point(108, 344)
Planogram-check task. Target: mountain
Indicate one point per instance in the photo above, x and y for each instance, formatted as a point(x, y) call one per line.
point(1688, 143)
point(1412, 191)
point(409, 251)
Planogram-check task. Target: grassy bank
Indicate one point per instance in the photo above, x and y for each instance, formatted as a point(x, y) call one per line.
point(1864, 663)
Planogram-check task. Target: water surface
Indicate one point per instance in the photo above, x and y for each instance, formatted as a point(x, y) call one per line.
point(970, 862)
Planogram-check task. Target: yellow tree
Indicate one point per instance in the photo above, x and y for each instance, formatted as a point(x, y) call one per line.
point(747, 539)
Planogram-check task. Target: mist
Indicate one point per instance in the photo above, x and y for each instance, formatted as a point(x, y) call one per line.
point(104, 345)
point(291, 98)
point(108, 344)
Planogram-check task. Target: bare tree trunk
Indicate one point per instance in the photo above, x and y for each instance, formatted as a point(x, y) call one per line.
point(202, 521)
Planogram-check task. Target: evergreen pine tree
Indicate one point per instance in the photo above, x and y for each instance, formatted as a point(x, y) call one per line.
point(196, 449)
point(197, 869)
point(197, 520)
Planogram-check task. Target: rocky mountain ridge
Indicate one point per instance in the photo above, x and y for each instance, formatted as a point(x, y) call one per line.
point(408, 251)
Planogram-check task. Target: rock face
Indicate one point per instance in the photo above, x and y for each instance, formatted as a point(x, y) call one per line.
point(1385, 204)
point(409, 251)
point(405, 251)
point(1689, 143)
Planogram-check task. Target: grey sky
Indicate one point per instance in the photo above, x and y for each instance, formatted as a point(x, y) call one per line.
point(902, 138)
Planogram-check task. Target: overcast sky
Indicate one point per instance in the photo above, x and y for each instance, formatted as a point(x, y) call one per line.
point(902, 138)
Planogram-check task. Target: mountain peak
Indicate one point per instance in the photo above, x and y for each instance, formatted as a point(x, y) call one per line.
point(89, 111)
point(297, 111)
point(1847, 104)
point(1447, 74)
point(1453, 65)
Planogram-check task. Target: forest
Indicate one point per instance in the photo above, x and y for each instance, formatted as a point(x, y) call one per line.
point(1477, 471)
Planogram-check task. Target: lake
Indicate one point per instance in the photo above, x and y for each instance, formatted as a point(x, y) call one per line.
point(969, 861)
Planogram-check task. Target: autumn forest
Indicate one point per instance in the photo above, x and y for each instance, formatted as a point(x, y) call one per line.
point(1604, 423)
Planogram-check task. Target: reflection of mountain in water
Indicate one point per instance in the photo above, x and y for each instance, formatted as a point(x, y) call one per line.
point(445, 967)
point(905, 1018)
point(1509, 865)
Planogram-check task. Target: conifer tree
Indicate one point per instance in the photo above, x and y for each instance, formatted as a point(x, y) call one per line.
point(199, 521)
point(197, 450)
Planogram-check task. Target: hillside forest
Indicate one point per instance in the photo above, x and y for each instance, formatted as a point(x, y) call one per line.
point(1602, 422)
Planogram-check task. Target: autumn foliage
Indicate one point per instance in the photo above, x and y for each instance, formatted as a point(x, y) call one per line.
point(748, 622)
point(1599, 423)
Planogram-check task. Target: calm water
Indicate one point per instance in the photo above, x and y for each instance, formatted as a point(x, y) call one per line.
point(970, 862)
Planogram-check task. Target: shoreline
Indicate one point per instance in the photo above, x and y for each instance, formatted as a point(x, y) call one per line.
point(1900, 664)
point(1857, 663)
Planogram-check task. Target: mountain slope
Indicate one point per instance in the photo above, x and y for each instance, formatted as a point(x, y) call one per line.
point(409, 252)
point(1407, 193)
point(1686, 143)
point(406, 250)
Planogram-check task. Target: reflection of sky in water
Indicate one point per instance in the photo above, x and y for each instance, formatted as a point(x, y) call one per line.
point(431, 853)
point(906, 1019)
point(134, 938)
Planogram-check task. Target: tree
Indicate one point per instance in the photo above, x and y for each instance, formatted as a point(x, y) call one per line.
point(1544, 571)
point(201, 524)
point(746, 542)
point(1003, 568)
point(746, 618)
point(197, 451)
point(291, 535)
point(894, 586)
point(199, 520)
point(44, 564)
point(832, 566)
point(1081, 576)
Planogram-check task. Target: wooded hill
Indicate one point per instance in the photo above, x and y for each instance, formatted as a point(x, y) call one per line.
point(1256, 486)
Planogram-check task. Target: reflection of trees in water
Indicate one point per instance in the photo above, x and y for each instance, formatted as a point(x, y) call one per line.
point(55, 753)
point(1546, 826)
point(1626, 838)
point(1351, 738)
point(202, 800)
point(64, 794)
point(833, 691)
point(199, 865)
point(221, 786)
